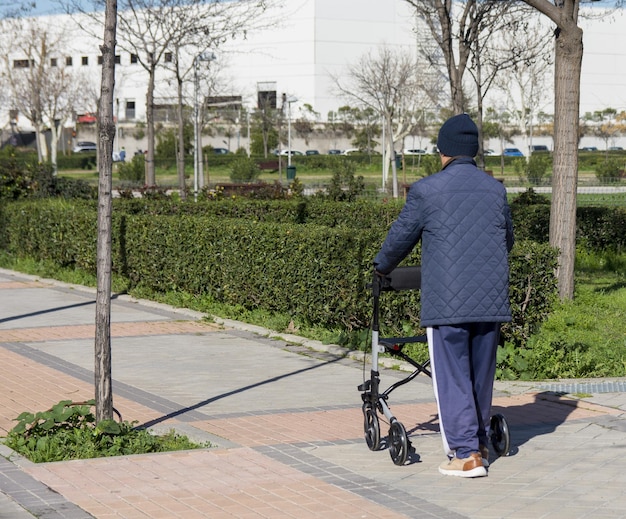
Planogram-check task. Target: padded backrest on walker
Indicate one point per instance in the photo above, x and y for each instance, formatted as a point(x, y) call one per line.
point(404, 278)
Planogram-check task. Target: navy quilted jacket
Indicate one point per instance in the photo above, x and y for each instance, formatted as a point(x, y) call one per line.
point(463, 219)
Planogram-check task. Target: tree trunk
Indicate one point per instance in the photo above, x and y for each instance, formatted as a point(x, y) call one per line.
point(392, 155)
point(180, 154)
point(150, 172)
point(106, 134)
point(568, 63)
point(54, 143)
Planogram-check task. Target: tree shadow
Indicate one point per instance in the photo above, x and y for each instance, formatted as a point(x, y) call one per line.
point(198, 405)
point(56, 309)
point(612, 288)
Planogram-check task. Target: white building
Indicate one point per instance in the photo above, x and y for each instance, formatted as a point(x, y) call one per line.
point(313, 41)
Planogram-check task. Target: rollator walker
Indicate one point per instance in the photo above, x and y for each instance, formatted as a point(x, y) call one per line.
point(375, 401)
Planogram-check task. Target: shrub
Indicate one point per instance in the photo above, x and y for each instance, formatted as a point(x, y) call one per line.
point(431, 164)
point(344, 186)
point(534, 169)
point(134, 170)
point(530, 197)
point(19, 179)
point(537, 167)
point(244, 169)
point(609, 170)
point(14, 183)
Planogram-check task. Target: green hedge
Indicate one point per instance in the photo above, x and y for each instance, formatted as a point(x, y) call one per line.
point(316, 273)
point(597, 228)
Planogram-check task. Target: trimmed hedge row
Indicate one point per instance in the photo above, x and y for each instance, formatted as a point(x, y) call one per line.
point(599, 228)
point(316, 273)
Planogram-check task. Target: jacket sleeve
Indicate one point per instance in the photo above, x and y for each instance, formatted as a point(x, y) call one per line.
point(403, 235)
point(510, 239)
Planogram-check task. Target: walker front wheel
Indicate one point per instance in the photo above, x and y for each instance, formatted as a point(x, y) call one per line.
point(500, 437)
point(371, 427)
point(398, 443)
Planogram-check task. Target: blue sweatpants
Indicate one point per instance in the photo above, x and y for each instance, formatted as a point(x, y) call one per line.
point(463, 362)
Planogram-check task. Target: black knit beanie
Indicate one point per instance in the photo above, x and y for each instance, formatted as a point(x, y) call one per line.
point(458, 136)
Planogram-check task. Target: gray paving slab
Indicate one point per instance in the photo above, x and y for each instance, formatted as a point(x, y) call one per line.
point(557, 468)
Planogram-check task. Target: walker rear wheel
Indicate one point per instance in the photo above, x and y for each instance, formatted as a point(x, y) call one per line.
point(371, 427)
point(500, 437)
point(398, 443)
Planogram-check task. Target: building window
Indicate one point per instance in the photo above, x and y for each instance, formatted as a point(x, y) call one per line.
point(100, 60)
point(118, 59)
point(168, 57)
point(53, 62)
point(130, 109)
point(68, 61)
point(134, 58)
point(21, 63)
point(84, 60)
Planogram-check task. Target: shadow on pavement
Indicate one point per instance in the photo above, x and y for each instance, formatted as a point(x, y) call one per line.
point(542, 416)
point(208, 401)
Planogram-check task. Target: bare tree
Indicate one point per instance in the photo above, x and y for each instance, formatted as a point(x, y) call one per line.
point(527, 81)
point(454, 35)
point(389, 83)
point(39, 87)
point(508, 43)
point(152, 30)
point(106, 134)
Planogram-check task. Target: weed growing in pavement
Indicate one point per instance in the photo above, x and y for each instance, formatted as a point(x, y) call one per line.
point(69, 431)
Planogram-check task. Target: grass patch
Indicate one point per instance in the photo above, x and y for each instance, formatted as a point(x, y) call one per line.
point(584, 337)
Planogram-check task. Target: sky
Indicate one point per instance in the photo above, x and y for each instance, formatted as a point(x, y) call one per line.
point(603, 82)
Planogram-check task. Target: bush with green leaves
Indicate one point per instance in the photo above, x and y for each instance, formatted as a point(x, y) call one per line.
point(69, 431)
point(14, 182)
point(534, 169)
point(133, 171)
point(344, 186)
point(431, 164)
point(244, 169)
point(21, 178)
point(609, 170)
point(167, 144)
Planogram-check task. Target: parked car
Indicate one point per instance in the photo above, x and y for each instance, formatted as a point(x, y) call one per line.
point(512, 152)
point(85, 146)
point(615, 148)
point(334, 152)
point(539, 148)
point(220, 151)
point(312, 152)
point(285, 153)
point(351, 151)
point(489, 152)
point(413, 152)
point(589, 148)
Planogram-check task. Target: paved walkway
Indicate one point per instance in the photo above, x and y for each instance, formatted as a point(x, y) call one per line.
point(284, 418)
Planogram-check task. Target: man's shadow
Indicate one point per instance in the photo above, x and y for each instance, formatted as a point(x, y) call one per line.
point(542, 416)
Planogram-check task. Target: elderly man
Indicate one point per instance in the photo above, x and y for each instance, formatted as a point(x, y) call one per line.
point(463, 220)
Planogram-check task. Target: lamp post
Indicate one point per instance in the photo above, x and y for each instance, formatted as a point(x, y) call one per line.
point(290, 99)
point(197, 151)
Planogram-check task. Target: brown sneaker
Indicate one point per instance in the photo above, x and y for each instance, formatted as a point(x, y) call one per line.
point(484, 453)
point(471, 467)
